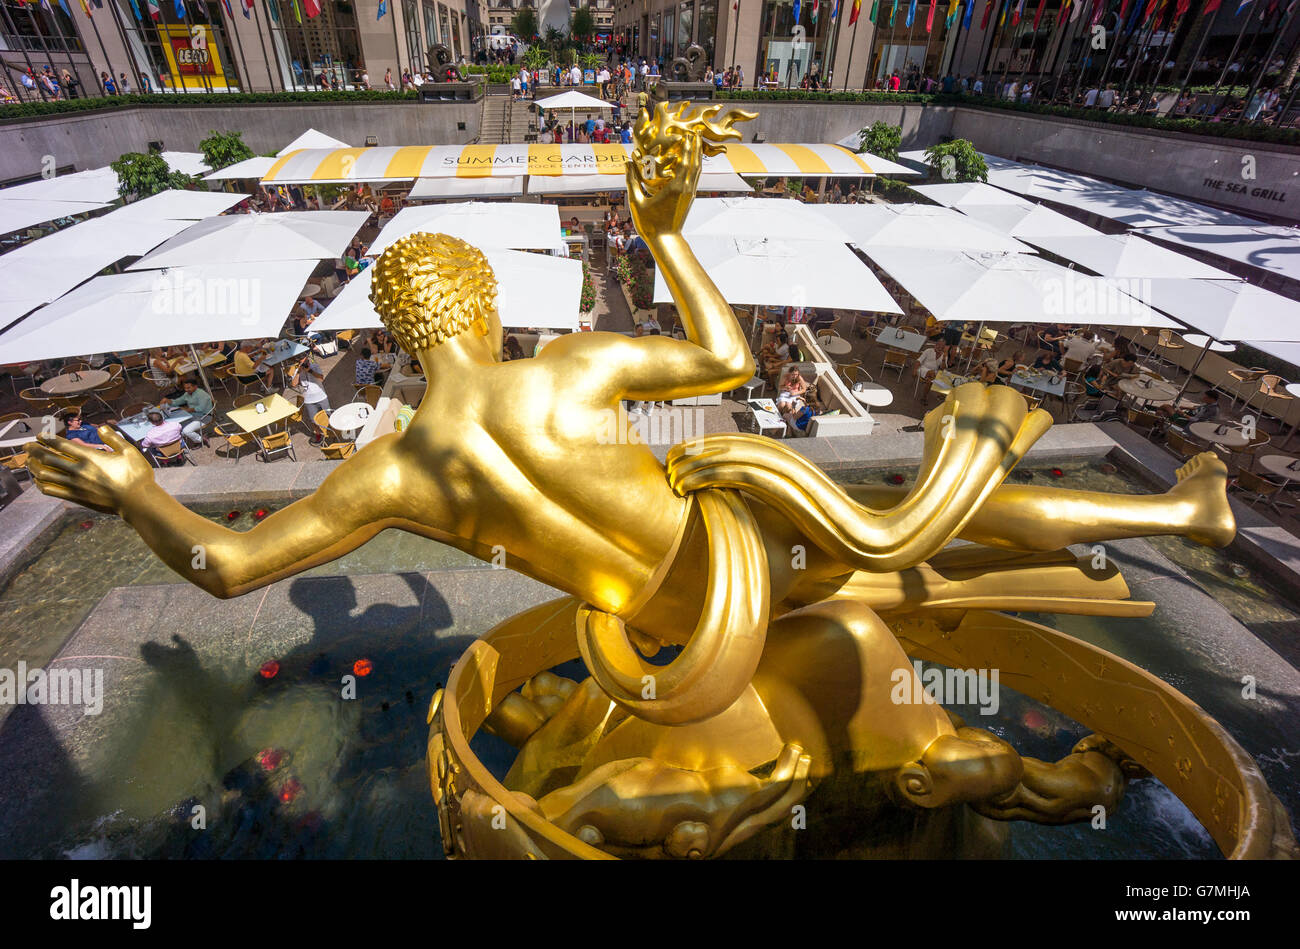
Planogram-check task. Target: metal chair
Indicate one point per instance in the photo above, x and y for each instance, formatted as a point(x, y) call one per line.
point(894, 360)
point(159, 379)
point(274, 443)
point(1147, 423)
point(1181, 446)
point(234, 440)
point(243, 400)
point(36, 400)
point(370, 394)
point(1258, 489)
point(1244, 377)
point(173, 454)
point(16, 463)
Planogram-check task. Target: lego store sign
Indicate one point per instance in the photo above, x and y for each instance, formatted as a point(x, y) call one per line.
point(191, 55)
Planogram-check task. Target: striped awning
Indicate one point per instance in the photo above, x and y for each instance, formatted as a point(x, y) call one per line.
point(404, 163)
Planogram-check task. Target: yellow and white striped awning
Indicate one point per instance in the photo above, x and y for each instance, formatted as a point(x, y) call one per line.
point(404, 163)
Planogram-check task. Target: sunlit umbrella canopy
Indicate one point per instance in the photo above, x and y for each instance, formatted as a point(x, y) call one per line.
point(777, 272)
point(914, 225)
point(525, 226)
point(761, 217)
point(1027, 222)
point(247, 238)
point(1223, 309)
point(1126, 255)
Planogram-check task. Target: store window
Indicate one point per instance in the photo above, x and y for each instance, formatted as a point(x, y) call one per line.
point(706, 33)
point(431, 24)
point(411, 25)
point(31, 27)
point(190, 53)
point(455, 34)
point(685, 21)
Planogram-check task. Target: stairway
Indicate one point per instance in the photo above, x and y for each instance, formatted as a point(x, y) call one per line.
point(505, 121)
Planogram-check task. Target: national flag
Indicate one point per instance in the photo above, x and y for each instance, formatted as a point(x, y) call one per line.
point(1038, 14)
point(85, 7)
point(988, 12)
point(835, 10)
point(154, 11)
point(1015, 14)
point(929, 15)
point(857, 8)
point(383, 8)
point(893, 11)
point(1181, 9)
point(1244, 4)
point(970, 12)
point(1075, 10)
point(911, 14)
point(226, 4)
point(796, 11)
point(954, 11)
point(312, 7)
point(180, 9)
point(246, 8)
point(297, 11)
point(1212, 6)
point(1149, 11)
point(135, 8)
point(816, 10)
point(1002, 15)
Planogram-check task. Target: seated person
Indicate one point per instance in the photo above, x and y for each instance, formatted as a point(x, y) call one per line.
point(820, 320)
point(1052, 338)
point(933, 328)
point(308, 310)
point(793, 387)
point(162, 431)
point(799, 413)
point(512, 349)
point(1079, 348)
point(1047, 360)
point(1007, 367)
point(771, 361)
point(307, 378)
point(651, 323)
point(1206, 410)
point(77, 431)
point(247, 370)
point(367, 368)
point(200, 405)
point(1116, 371)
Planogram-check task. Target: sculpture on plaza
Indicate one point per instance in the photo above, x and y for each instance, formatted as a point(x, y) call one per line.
point(791, 603)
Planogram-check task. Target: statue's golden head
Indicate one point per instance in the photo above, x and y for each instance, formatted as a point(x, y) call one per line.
point(428, 288)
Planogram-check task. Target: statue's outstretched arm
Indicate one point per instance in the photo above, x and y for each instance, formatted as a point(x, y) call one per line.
point(352, 505)
point(661, 181)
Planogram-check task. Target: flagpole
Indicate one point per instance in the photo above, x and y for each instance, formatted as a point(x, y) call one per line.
point(397, 49)
point(987, 55)
point(126, 45)
point(1283, 22)
point(1255, 39)
point(261, 40)
point(100, 40)
point(830, 43)
point(735, 33)
point(1149, 91)
point(1122, 38)
point(929, 35)
point(46, 48)
point(911, 26)
point(1137, 56)
point(1055, 71)
point(31, 68)
point(185, 22)
point(1205, 37)
point(848, 69)
point(63, 41)
point(1233, 55)
point(239, 45)
point(892, 17)
point(965, 40)
point(1016, 29)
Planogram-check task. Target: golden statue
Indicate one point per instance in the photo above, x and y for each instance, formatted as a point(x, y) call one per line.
point(795, 601)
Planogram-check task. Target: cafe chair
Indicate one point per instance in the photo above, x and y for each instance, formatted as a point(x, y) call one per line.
point(276, 442)
point(136, 362)
point(1147, 423)
point(234, 441)
point(894, 361)
point(223, 376)
point(135, 408)
point(173, 454)
point(108, 394)
point(1271, 386)
point(337, 451)
point(16, 463)
point(37, 402)
point(1256, 489)
point(1182, 446)
point(249, 399)
point(159, 379)
point(370, 394)
point(1243, 378)
point(12, 417)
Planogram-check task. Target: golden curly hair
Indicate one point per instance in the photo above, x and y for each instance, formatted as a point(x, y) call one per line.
point(428, 288)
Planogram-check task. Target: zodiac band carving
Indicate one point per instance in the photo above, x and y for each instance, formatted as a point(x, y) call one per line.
point(726, 683)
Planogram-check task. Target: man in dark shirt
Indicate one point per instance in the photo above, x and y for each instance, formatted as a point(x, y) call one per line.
point(77, 431)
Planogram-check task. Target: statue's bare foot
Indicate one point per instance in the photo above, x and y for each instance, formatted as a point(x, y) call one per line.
point(1203, 481)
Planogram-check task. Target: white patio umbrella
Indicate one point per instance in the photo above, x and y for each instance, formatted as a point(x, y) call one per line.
point(22, 214)
point(191, 163)
point(1230, 310)
point(45, 269)
point(1270, 249)
point(448, 188)
point(255, 167)
point(962, 195)
point(532, 290)
point(776, 272)
point(1287, 352)
point(1126, 255)
point(480, 223)
point(572, 101)
point(248, 238)
point(146, 309)
point(312, 139)
point(176, 204)
point(970, 287)
point(1027, 221)
point(914, 225)
point(95, 185)
point(751, 217)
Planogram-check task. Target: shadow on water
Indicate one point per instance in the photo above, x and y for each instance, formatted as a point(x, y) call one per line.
point(273, 759)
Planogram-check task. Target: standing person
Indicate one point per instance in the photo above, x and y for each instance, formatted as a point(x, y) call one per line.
point(388, 79)
point(516, 84)
point(308, 377)
point(105, 80)
point(123, 84)
point(70, 85)
point(365, 78)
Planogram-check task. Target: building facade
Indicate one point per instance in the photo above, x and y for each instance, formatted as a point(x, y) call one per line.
point(258, 46)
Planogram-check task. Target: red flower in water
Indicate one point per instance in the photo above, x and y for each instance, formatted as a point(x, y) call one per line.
point(232, 515)
point(270, 758)
point(260, 513)
point(270, 669)
point(292, 788)
point(363, 667)
point(87, 525)
point(1108, 468)
point(1058, 473)
point(895, 479)
point(1034, 719)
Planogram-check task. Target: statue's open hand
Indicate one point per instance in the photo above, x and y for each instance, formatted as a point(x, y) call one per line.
point(665, 166)
point(96, 479)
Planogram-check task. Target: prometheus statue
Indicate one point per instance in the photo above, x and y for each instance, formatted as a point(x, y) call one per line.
point(786, 665)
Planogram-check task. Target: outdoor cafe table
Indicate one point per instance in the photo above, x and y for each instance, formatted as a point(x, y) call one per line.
point(283, 350)
point(1040, 381)
point(1286, 467)
point(278, 408)
point(1231, 437)
point(766, 416)
point(205, 360)
point(20, 431)
point(900, 339)
point(835, 346)
point(945, 381)
point(1155, 391)
point(137, 426)
point(350, 418)
point(74, 383)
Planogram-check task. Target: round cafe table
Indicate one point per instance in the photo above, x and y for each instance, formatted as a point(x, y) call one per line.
point(1231, 436)
point(835, 346)
point(873, 395)
point(1156, 392)
point(1198, 340)
point(311, 290)
point(350, 418)
point(1281, 465)
point(74, 383)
